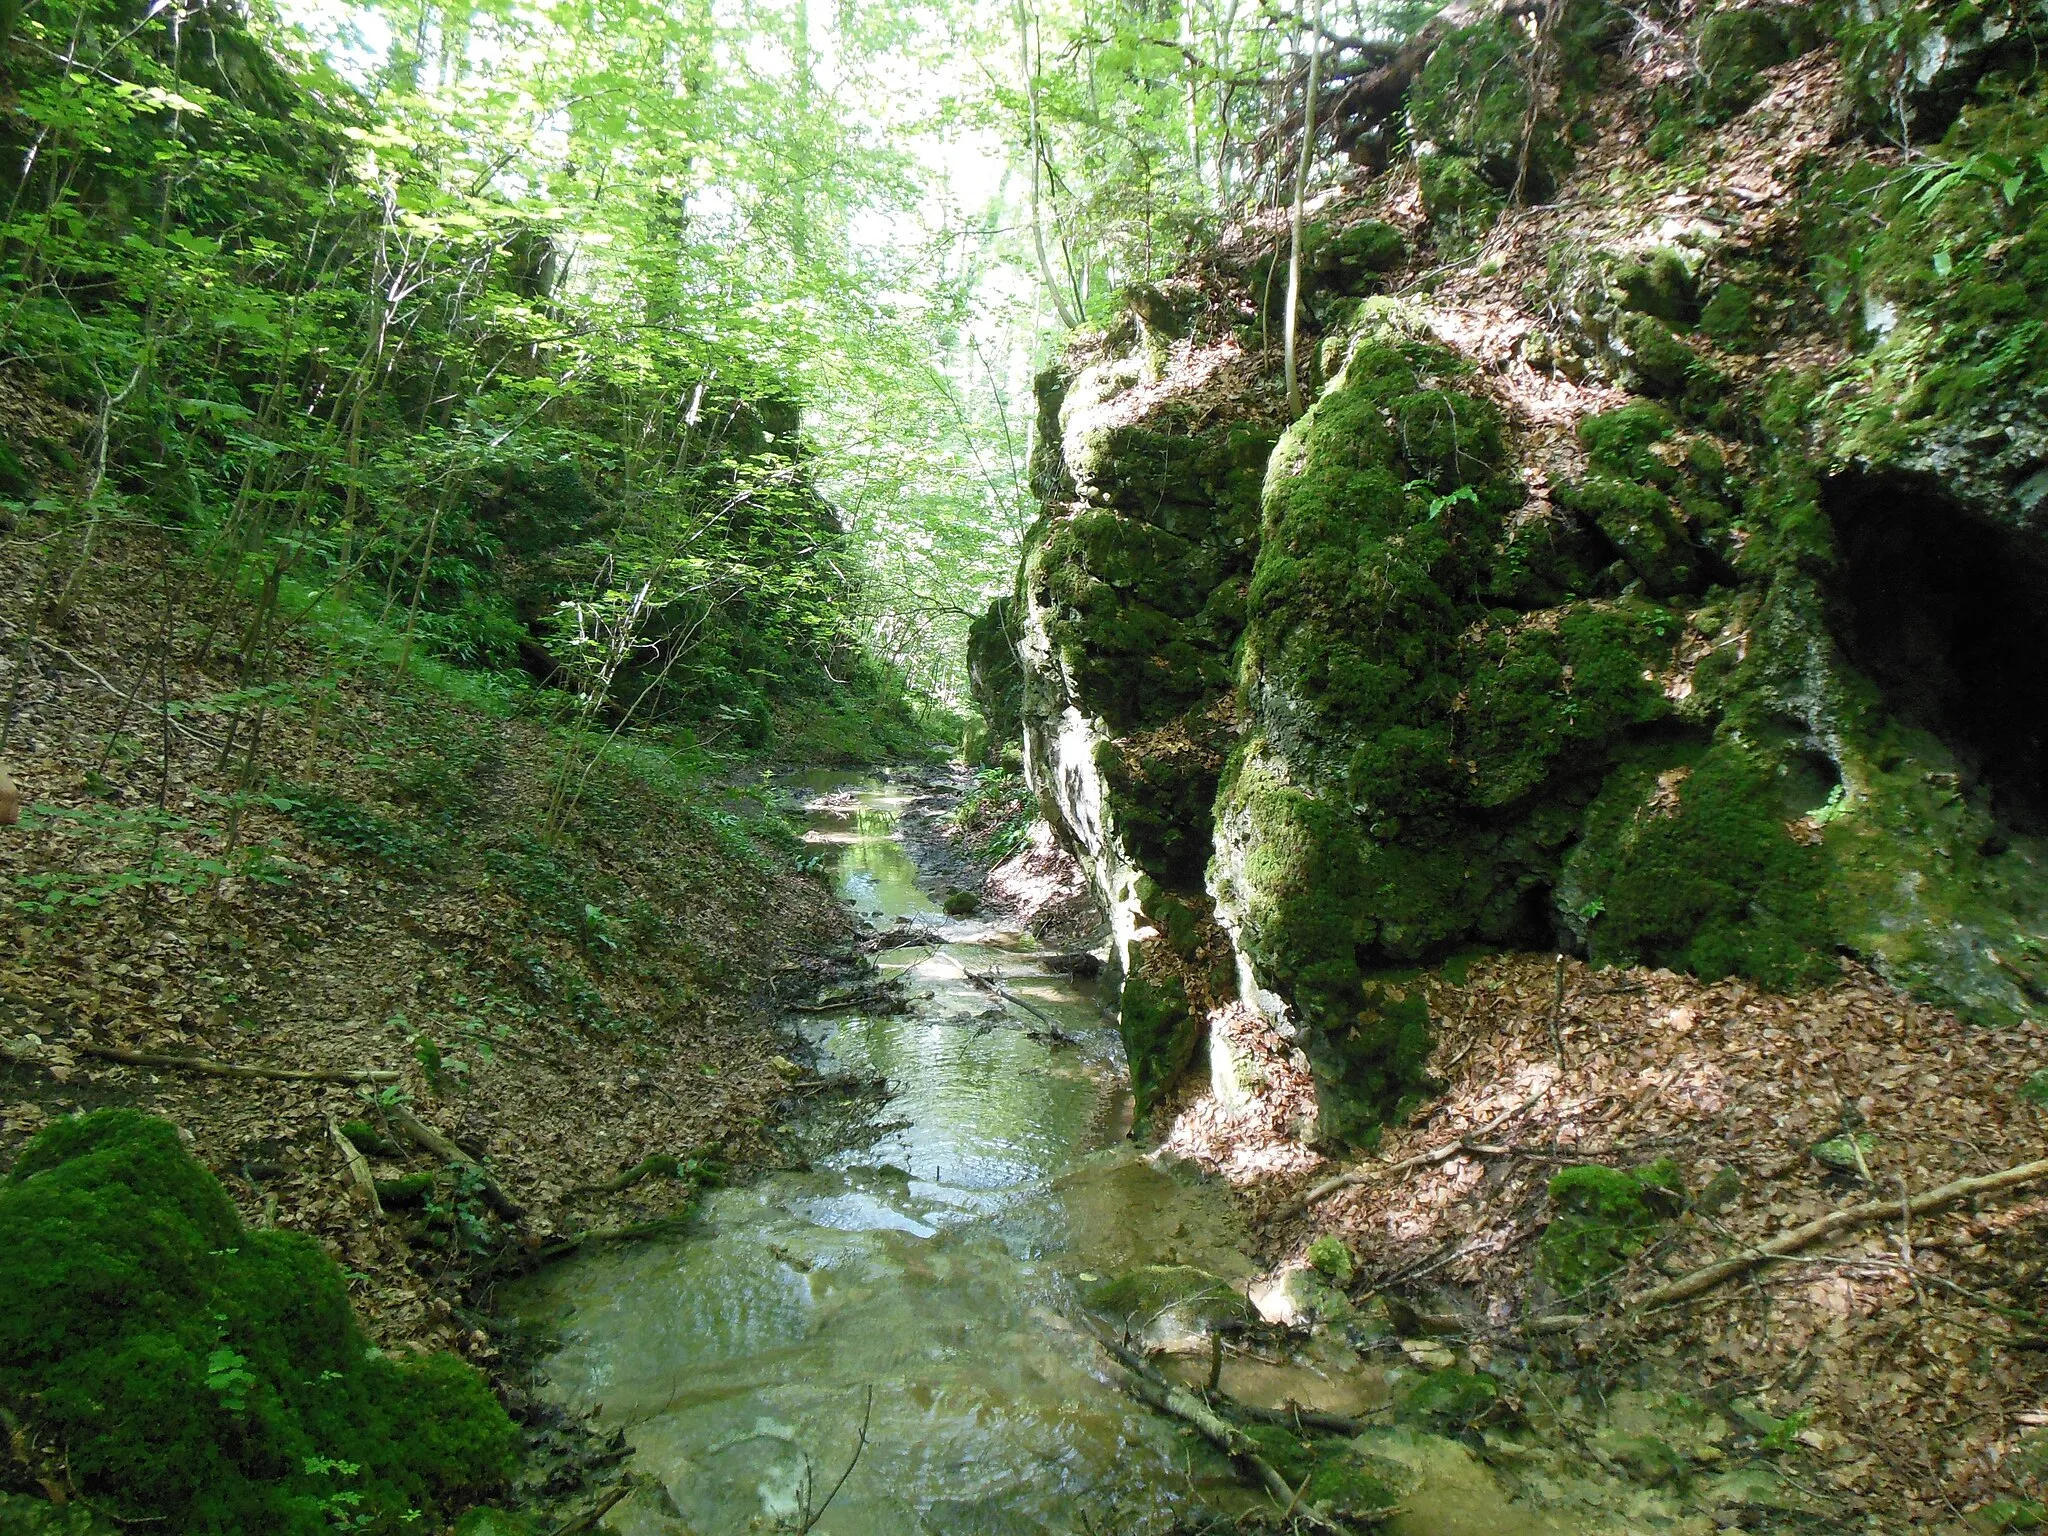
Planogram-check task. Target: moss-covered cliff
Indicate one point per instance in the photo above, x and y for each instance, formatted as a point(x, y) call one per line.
point(1666, 579)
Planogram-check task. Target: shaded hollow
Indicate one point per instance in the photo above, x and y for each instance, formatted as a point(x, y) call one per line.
point(1948, 614)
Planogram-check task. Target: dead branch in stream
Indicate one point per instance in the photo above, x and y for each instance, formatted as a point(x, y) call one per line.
point(987, 982)
point(1702, 1280)
point(1155, 1391)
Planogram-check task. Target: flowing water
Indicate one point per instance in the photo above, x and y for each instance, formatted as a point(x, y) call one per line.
point(919, 1283)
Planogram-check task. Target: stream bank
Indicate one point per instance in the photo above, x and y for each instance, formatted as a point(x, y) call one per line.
point(908, 1302)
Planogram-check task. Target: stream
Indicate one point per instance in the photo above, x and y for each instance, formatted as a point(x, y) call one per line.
point(919, 1282)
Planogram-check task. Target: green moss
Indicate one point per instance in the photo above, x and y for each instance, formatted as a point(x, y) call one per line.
point(1331, 1474)
point(1456, 197)
point(206, 1375)
point(1347, 260)
point(995, 675)
point(1737, 42)
point(1619, 441)
point(1152, 1291)
point(1663, 363)
point(1687, 862)
point(1331, 1259)
point(1160, 1032)
point(1448, 1401)
point(1729, 317)
point(1662, 284)
point(1603, 1218)
point(1642, 527)
point(1471, 101)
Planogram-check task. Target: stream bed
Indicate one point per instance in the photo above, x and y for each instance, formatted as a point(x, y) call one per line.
point(910, 1297)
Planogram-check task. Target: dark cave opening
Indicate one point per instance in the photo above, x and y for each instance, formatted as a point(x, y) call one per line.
point(1948, 614)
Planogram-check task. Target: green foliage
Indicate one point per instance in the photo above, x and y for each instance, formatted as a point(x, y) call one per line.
point(355, 829)
point(1603, 1218)
point(1331, 1259)
point(204, 1374)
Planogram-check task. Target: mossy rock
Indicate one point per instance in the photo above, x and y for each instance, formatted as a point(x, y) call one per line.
point(995, 675)
point(1643, 528)
point(961, 903)
point(205, 1375)
point(1347, 260)
point(1160, 1032)
point(1191, 1297)
point(1471, 101)
point(1604, 1217)
point(1662, 283)
point(1332, 1474)
point(1448, 1401)
point(1729, 317)
point(1735, 42)
point(1687, 862)
point(1663, 363)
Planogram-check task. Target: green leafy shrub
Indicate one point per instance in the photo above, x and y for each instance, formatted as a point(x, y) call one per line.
point(190, 1371)
point(1328, 1256)
point(1605, 1216)
point(357, 830)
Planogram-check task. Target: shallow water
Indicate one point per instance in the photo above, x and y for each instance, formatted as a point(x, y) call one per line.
point(920, 1283)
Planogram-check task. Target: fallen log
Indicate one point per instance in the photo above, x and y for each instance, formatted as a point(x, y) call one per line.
point(430, 1140)
point(358, 1167)
point(207, 1068)
point(1704, 1279)
point(1468, 1142)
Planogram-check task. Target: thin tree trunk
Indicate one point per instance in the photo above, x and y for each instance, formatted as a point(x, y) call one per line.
point(1308, 145)
point(1059, 300)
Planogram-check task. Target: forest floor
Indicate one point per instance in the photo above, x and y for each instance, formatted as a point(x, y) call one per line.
point(1906, 1361)
point(351, 869)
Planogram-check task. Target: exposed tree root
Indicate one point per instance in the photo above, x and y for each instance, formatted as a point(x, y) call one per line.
point(431, 1140)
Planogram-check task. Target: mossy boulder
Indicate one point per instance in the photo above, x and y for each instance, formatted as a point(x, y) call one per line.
point(1457, 199)
point(1603, 1217)
point(1736, 42)
point(198, 1373)
point(1688, 861)
point(1348, 260)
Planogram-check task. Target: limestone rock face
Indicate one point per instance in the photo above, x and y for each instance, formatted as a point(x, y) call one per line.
point(1130, 603)
point(1733, 667)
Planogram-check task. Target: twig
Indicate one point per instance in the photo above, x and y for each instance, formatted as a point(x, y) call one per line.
point(1157, 1392)
point(1434, 1155)
point(229, 1069)
point(866, 1414)
point(578, 1524)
